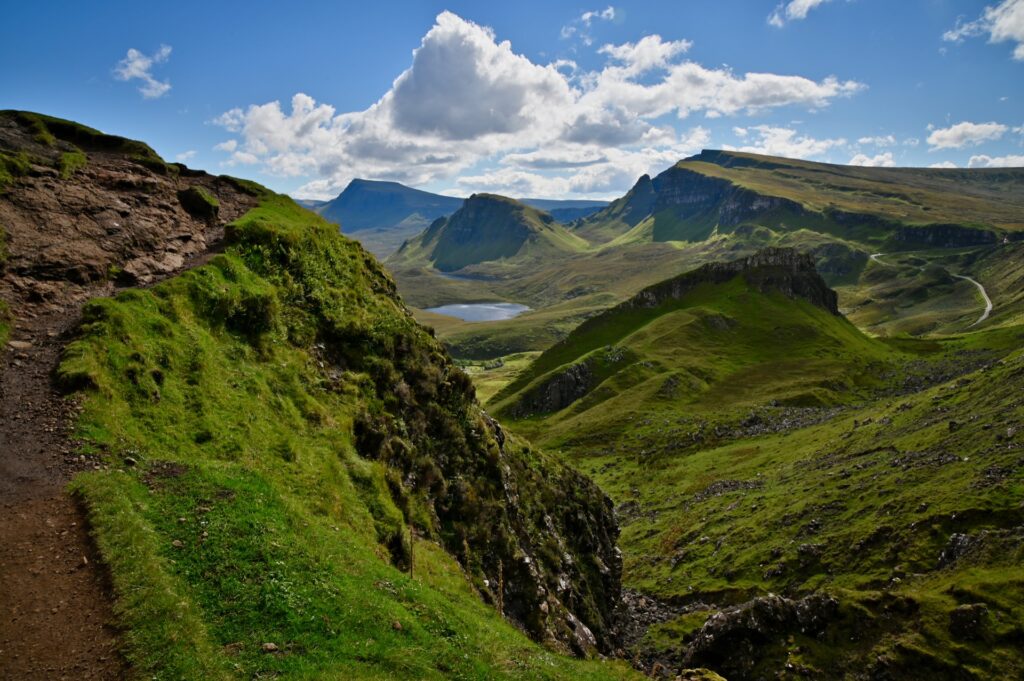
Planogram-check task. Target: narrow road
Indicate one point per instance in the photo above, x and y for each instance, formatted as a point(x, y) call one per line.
point(877, 258)
point(984, 294)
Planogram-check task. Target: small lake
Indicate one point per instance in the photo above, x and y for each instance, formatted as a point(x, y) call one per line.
point(481, 312)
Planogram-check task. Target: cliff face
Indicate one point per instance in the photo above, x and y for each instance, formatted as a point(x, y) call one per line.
point(688, 193)
point(782, 270)
point(84, 210)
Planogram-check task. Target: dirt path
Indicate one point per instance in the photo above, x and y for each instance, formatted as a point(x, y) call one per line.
point(55, 608)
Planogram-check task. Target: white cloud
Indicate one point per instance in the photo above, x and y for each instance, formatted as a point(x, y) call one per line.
point(650, 52)
point(943, 164)
point(965, 134)
point(911, 142)
point(1002, 22)
point(879, 161)
point(983, 161)
point(185, 155)
point(792, 11)
point(581, 25)
point(137, 66)
point(468, 101)
point(776, 141)
point(879, 141)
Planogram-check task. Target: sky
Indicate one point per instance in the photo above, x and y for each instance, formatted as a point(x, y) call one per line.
point(542, 99)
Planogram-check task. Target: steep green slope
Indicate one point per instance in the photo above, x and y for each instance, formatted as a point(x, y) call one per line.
point(488, 227)
point(766, 322)
point(294, 480)
point(798, 500)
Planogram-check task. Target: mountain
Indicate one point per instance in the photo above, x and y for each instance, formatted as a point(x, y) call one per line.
point(382, 215)
point(935, 230)
point(798, 499)
point(283, 473)
point(488, 228)
point(718, 191)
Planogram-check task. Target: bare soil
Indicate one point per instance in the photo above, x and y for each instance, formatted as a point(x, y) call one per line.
point(116, 222)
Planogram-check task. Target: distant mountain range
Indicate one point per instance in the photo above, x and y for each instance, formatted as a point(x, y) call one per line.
point(382, 215)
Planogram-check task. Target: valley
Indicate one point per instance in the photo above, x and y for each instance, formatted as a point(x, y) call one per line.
point(723, 427)
point(807, 479)
point(534, 341)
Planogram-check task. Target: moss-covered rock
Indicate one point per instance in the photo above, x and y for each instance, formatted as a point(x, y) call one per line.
point(199, 202)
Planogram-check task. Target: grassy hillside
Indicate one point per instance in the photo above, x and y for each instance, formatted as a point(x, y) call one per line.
point(756, 444)
point(738, 340)
point(293, 480)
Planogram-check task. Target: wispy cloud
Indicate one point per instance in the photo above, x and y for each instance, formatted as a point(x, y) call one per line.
point(185, 156)
point(580, 26)
point(1002, 22)
point(138, 66)
point(778, 141)
point(793, 10)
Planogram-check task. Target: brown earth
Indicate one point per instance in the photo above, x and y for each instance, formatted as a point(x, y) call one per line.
point(116, 222)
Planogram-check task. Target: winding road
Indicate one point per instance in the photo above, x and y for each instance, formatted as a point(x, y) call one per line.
point(876, 257)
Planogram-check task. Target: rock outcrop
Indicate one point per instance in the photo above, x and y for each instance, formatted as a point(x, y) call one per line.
point(558, 392)
point(781, 270)
point(87, 210)
point(729, 641)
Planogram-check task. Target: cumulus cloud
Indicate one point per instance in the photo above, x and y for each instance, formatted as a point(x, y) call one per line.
point(965, 134)
point(879, 161)
point(468, 101)
point(138, 66)
point(943, 164)
point(1003, 22)
point(185, 155)
point(983, 161)
point(777, 141)
point(792, 11)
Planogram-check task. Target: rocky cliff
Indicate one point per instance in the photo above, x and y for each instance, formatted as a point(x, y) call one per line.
point(782, 270)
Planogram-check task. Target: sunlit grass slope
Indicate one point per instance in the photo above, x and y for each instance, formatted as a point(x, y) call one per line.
point(246, 537)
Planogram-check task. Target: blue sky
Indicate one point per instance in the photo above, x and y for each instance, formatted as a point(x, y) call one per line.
point(549, 98)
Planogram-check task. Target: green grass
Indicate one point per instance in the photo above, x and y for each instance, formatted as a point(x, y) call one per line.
point(71, 162)
point(12, 166)
point(199, 202)
point(857, 495)
point(490, 376)
point(235, 406)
